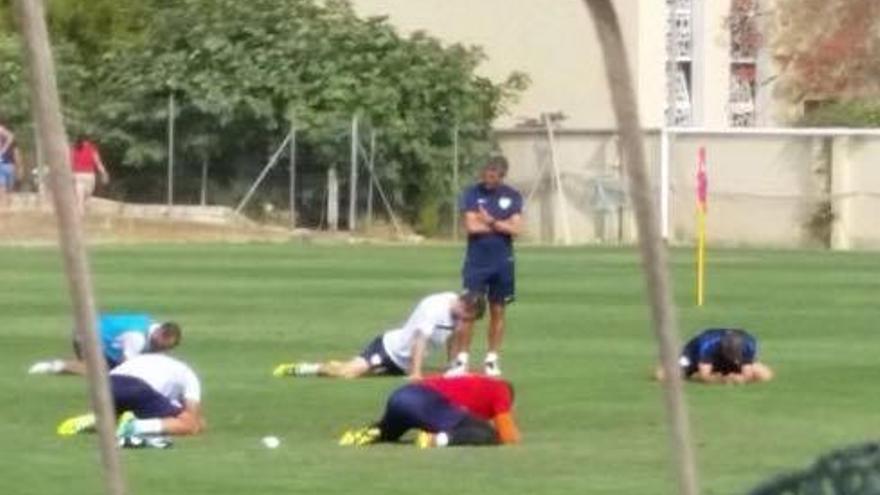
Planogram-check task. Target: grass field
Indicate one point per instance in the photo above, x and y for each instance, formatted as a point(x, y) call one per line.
point(579, 351)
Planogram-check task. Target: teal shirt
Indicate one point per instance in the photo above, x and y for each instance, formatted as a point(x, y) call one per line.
point(112, 326)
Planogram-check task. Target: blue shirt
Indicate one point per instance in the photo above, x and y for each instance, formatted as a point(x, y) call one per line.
point(8, 156)
point(502, 203)
point(111, 327)
point(706, 348)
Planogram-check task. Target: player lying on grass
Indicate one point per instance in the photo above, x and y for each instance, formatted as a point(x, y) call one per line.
point(122, 337)
point(154, 394)
point(447, 411)
point(722, 355)
point(402, 351)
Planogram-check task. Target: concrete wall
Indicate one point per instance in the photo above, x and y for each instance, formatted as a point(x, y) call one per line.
point(553, 41)
point(856, 193)
point(711, 64)
point(591, 205)
point(763, 190)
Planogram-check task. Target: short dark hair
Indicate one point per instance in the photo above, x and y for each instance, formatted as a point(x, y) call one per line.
point(171, 330)
point(733, 345)
point(474, 302)
point(497, 162)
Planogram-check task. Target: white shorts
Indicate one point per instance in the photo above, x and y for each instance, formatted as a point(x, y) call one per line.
point(85, 185)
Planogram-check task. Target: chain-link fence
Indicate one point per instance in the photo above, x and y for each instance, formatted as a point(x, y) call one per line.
point(784, 188)
point(853, 470)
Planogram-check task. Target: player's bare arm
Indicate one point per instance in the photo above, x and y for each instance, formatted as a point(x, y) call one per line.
point(756, 373)
point(475, 224)
point(102, 170)
point(6, 138)
point(706, 374)
point(418, 357)
point(512, 226)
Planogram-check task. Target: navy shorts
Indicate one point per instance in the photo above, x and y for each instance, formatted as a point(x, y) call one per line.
point(378, 359)
point(135, 395)
point(417, 406)
point(79, 353)
point(497, 281)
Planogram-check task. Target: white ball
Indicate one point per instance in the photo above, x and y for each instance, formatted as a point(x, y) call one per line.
point(271, 442)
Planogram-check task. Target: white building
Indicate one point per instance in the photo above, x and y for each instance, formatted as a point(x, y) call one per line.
point(718, 84)
point(765, 190)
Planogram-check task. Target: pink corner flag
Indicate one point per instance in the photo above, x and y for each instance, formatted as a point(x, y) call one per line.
point(702, 181)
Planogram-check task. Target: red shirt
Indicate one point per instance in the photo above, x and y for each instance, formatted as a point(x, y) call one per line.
point(84, 158)
point(482, 396)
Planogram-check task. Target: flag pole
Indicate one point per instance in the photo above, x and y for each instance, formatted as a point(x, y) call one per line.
point(701, 257)
point(702, 193)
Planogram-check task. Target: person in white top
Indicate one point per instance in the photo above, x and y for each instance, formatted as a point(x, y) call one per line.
point(122, 336)
point(154, 394)
point(401, 351)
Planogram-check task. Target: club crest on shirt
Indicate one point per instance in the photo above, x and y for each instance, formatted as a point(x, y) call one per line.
point(505, 202)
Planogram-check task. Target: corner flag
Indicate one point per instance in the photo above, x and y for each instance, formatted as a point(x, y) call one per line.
point(702, 209)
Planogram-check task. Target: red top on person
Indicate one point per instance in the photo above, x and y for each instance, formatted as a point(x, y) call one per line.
point(84, 157)
point(482, 396)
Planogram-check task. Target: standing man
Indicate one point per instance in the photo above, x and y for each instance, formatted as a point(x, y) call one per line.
point(86, 161)
point(7, 163)
point(492, 216)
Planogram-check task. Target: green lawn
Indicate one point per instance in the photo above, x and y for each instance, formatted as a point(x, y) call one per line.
point(579, 351)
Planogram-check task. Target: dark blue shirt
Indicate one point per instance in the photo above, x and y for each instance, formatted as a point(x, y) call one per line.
point(502, 203)
point(706, 348)
point(8, 156)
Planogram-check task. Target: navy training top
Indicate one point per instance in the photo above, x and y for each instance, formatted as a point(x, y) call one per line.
point(502, 203)
point(706, 348)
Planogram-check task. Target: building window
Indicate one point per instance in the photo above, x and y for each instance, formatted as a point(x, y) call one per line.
point(679, 41)
point(745, 40)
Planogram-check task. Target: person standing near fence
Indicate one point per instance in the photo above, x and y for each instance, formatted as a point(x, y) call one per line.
point(86, 162)
point(492, 216)
point(7, 163)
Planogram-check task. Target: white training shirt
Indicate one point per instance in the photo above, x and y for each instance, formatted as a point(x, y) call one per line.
point(164, 374)
point(131, 344)
point(432, 319)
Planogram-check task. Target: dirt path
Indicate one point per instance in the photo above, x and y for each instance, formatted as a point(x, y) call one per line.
point(36, 227)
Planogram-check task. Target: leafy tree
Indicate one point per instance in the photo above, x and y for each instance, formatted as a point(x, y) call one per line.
point(847, 113)
point(827, 49)
point(241, 71)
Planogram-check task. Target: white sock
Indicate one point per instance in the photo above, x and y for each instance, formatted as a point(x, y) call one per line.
point(53, 366)
point(462, 359)
point(441, 439)
point(491, 357)
point(147, 426)
point(306, 369)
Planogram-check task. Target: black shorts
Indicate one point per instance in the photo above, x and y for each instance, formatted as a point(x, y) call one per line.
point(497, 281)
point(417, 406)
point(135, 395)
point(379, 361)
